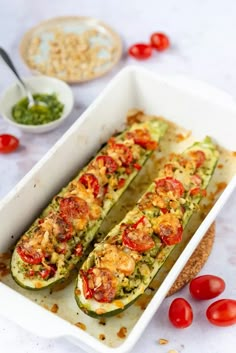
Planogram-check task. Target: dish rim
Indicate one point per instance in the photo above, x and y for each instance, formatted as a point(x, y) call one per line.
point(66, 329)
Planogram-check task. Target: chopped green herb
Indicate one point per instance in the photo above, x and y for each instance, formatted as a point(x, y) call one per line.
point(38, 114)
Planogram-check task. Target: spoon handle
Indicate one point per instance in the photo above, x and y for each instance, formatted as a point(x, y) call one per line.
point(8, 61)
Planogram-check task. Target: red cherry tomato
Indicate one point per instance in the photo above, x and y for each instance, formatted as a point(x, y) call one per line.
point(206, 287)
point(180, 313)
point(169, 184)
point(160, 41)
point(136, 238)
point(29, 256)
point(100, 284)
point(169, 229)
point(8, 143)
point(122, 151)
point(108, 162)
point(143, 139)
point(45, 273)
point(222, 312)
point(88, 292)
point(90, 182)
point(140, 51)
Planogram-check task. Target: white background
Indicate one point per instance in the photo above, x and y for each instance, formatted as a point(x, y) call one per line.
point(203, 46)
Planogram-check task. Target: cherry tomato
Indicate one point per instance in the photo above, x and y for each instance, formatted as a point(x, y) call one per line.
point(143, 139)
point(88, 292)
point(100, 284)
point(206, 287)
point(168, 228)
point(140, 51)
point(45, 273)
point(31, 256)
point(222, 312)
point(73, 207)
point(180, 313)
point(122, 151)
point(90, 182)
point(160, 41)
point(8, 143)
point(107, 162)
point(169, 184)
point(136, 237)
point(199, 157)
point(197, 192)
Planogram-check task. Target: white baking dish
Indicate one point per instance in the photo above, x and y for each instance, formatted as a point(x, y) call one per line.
point(132, 87)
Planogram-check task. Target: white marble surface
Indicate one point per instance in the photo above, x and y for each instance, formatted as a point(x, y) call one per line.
point(203, 37)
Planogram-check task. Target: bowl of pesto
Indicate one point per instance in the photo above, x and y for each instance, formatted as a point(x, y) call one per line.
point(53, 104)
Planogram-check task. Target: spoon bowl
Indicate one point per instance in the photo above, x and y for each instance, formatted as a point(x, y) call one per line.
point(37, 84)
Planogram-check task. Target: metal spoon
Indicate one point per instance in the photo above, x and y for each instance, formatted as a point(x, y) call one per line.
point(29, 95)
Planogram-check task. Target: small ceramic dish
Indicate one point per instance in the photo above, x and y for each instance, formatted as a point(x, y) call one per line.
point(37, 84)
point(73, 48)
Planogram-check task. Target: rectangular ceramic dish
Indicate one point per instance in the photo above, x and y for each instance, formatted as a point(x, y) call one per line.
point(132, 87)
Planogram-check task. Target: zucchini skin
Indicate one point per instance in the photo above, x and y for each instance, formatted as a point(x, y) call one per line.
point(156, 129)
point(96, 309)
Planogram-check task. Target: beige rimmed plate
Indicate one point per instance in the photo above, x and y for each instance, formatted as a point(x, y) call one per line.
point(74, 49)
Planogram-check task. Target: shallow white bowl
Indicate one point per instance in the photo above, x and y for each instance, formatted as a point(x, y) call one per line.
point(37, 84)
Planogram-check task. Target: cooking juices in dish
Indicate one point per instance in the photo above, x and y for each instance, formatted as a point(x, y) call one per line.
point(122, 266)
point(58, 239)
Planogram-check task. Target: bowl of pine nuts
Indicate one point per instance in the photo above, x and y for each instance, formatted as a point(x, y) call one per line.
point(73, 49)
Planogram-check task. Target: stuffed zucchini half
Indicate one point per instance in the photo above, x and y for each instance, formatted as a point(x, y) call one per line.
point(121, 267)
point(58, 239)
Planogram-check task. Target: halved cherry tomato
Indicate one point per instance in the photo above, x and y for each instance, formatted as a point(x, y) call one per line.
point(197, 192)
point(140, 51)
point(100, 284)
point(29, 256)
point(180, 313)
point(143, 139)
point(168, 228)
point(206, 287)
point(90, 182)
point(73, 207)
point(88, 292)
point(8, 143)
point(160, 41)
point(222, 312)
point(107, 162)
point(199, 157)
point(45, 273)
point(138, 238)
point(78, 250)
point(170, 184)
point(122, 151)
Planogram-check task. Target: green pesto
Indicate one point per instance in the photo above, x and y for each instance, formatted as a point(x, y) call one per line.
point(38, 114)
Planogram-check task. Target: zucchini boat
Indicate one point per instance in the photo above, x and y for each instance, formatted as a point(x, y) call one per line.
point(121, 267)
point(57, 241)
